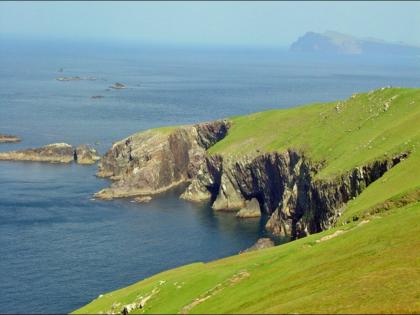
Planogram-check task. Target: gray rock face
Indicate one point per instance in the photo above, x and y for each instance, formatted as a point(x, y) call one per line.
point(286, 188)
point(154, 161)
point(260, 244)
point(86, 155)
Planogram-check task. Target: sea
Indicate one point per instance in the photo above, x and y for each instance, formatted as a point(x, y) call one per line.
point(60, 248)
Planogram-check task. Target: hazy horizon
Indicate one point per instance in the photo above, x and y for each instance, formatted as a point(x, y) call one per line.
point(275, 24)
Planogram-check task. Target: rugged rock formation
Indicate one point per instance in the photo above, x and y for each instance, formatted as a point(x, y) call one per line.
point(251, 210)
point(54, 153)
point(283, 185)
point(86, 155)
point(9, 139)
point(286, 188)
point(156, 160)
point(260, 244)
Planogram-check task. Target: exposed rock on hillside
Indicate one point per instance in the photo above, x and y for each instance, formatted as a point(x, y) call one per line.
point(260, 244)
point(154, 161)
point(9, 139)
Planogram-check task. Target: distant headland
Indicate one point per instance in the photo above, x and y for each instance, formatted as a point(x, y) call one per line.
point(331, 42)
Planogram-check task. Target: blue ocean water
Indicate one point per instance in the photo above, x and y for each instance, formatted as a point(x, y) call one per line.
point(59, 249)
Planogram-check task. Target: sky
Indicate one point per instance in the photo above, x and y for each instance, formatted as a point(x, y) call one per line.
point(232, 23)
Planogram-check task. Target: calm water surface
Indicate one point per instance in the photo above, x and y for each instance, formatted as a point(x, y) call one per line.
point(59, 248)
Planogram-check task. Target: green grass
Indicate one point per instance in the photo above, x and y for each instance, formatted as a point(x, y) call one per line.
point(358, 132)
point(373, 266)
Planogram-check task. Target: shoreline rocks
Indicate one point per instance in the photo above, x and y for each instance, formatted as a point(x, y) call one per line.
point(53, 153)
point(9, 139)
point(142, 199)
point(251, 210)
point(86, 155)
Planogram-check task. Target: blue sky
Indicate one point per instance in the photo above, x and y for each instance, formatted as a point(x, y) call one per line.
point(236, 23)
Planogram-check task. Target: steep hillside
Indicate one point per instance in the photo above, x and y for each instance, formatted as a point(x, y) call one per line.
point(364, 267)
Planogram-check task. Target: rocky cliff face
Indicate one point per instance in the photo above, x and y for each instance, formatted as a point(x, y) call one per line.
point(284, 184)
point(286, 188)
point(154, 161)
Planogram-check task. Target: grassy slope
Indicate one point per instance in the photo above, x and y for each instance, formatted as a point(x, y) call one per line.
point(360, 131)
point(374, 267)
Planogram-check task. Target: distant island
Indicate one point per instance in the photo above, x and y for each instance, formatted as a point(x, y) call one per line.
point(331, 42)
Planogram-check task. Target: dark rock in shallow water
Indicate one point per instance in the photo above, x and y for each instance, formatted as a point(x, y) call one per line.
point(9, 139)
point(52, 153)
point(118, 86)
point(260, 244)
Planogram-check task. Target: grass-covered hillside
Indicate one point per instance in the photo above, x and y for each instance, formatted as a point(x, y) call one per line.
point(344, 134)
point(368, 263)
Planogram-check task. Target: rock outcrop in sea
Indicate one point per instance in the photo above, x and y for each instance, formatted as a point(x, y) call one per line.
point(282, 185)
point(54, 153)
point(9, 139)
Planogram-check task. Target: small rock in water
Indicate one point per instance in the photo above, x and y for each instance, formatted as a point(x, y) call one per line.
point(142, 199)
point(118, 86)
point(94, 97)
point(9, 139)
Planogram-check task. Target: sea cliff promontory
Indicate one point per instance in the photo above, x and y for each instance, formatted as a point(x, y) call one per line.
point(301, 166)
point(341, 178)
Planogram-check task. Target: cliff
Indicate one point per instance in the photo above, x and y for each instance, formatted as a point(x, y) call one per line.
point(301, 165)
point(156, 160)
point(349, 170)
